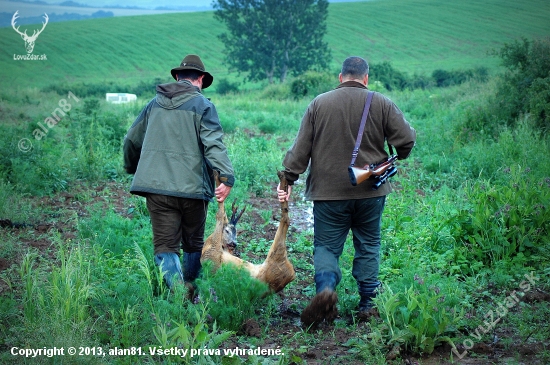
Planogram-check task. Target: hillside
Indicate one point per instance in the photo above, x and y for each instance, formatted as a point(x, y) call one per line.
point(417, 36)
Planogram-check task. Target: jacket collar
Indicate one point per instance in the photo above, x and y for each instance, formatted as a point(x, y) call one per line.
point(351, 84)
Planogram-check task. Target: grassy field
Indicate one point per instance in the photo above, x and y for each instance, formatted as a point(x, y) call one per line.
point(417, 36)
point(465, 233)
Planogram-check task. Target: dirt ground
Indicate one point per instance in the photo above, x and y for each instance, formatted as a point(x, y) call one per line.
point(61, 210)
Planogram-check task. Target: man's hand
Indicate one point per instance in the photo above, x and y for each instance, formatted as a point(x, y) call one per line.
point(282, 195)
point(222, 191)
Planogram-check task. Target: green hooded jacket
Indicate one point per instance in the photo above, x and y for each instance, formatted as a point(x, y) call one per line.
point(175, 143)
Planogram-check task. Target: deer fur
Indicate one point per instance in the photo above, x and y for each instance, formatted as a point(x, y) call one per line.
point(276, 270)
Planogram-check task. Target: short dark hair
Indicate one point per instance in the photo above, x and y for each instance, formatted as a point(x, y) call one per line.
point(192, 75)
point(355, 67)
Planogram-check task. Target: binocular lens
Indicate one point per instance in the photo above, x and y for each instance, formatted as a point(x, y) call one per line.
point(382, 178)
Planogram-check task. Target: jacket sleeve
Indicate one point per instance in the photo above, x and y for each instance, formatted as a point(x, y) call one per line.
point(134, 140)
point(297, 157)
point(215, 152)
point(399, 132)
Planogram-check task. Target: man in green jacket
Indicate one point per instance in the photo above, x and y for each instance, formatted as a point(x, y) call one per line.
point(172, 149)
point(324, 143)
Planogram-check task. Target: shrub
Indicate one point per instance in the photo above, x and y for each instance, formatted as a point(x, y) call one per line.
point(444, 78)
point(312, 83)
point(539, 103)
point(225, 87)
point(391, 78)
point(525, 87)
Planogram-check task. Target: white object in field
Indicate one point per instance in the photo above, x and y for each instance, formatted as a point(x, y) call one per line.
point(119, 98)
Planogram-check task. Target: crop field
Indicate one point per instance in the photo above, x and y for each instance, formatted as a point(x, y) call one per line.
point(465, 251)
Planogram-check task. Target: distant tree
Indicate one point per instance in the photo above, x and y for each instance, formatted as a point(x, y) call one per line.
point(271, 38)
point(525, 87)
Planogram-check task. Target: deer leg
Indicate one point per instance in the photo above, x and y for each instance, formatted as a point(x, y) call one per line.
point(212, 249)
point(277, 270)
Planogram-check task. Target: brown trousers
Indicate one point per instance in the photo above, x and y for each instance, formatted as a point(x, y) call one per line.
point(178, 223)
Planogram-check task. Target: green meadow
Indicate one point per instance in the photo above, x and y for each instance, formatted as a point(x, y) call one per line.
point(465, 237)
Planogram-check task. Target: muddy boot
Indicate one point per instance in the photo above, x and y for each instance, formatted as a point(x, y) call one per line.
point(171, 268)
point(367, 292)
point(192, 266)
point(323, 305)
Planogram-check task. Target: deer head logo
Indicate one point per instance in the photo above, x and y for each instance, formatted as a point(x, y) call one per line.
point(29, 40)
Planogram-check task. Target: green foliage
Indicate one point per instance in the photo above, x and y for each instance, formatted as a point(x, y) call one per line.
point(84, 143)
point(393, 79)
point(390, 78)
point(269, 39)
point(418, 318)
point(525, 87)
point(224, 86)
point(232, 294)
point(90, 106)
point(198, 337)
point(539, 102)
point(56, 310)
point(258, 163)
point(443, 78)
point(505, 220)
point(312, 83)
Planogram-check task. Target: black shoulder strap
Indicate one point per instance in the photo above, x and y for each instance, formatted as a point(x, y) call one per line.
point(361, 128)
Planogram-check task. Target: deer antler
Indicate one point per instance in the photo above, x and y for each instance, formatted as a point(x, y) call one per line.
point(24, 34)
point(43, 26)
point(13, 19)
point(234, 215)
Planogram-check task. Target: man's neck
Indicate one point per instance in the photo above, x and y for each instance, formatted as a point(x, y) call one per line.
point(196, 83)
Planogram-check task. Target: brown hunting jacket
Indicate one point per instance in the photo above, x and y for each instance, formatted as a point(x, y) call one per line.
point(327, 137)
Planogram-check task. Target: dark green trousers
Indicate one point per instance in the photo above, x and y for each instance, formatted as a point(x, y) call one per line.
point(333, 220)
point(178, 223)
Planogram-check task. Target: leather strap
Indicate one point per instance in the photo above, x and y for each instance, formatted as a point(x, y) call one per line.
point(361, 127)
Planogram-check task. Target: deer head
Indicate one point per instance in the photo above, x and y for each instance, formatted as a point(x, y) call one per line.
point(230, 230)
point(29, 41)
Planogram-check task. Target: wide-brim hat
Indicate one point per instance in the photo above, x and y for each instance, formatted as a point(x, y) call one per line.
point(193, 62)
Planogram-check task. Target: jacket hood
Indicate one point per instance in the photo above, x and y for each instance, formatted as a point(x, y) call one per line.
point(174, 94)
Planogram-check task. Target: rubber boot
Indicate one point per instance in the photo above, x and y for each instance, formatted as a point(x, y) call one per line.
point(171, 268)
point(323, 305)
point(367, 292)
point(191, 266)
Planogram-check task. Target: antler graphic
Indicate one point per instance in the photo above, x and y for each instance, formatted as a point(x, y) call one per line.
point(29, 41)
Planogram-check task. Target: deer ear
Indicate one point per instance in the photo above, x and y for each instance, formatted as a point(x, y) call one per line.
point(23, 36)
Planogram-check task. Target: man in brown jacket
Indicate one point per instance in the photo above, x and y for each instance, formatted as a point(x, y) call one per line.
point(325, 142)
